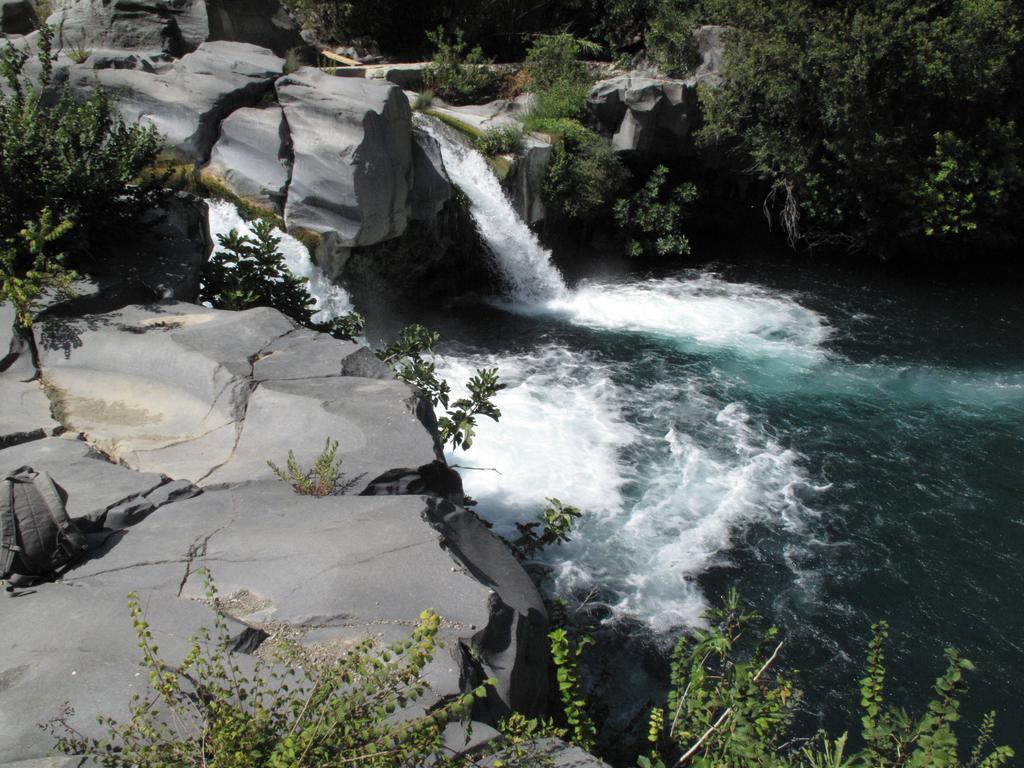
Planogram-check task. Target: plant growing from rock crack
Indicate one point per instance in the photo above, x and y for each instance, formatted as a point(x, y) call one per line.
point(503, 140)
point(565, 655)
point(321, 480)
point(458, 424)
point(211, 711)
point(457, 73)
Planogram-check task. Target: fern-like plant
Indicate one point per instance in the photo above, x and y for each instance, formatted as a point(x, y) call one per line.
point(321, 480)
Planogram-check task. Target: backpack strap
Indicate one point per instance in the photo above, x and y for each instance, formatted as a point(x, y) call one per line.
point(8, 545)
point(69, 532)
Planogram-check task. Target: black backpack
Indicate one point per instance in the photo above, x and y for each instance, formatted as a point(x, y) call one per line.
point(37, 538)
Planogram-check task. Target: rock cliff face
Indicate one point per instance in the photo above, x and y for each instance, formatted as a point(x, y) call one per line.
point(168, 414)
point(653, 118)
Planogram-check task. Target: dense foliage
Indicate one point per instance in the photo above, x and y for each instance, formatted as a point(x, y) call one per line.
point(66, 171)
point(458, 73)
point(730, 707)
point(653, 217)
point(877, 122)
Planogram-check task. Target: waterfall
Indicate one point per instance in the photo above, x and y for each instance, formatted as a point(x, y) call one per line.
point(524, 263)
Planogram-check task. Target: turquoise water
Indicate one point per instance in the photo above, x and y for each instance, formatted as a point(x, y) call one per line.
point(842, 449)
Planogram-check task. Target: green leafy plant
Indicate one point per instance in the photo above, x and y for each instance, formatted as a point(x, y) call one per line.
point(584, 173)
point(29, 268)
point(423, 101)
point(74, 157)
point(321, 480)
point(556, 523)
point(653, 217)
point(729, 707)
point(249, 272)
point(458, 423)
point(457, 73)
point(557, 77)
point(78, 52)
point(289, 712)
point(565, 655)
point(503, 140)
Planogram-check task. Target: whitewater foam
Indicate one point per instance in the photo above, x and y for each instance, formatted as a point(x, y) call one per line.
point(662, 495)
point(331, 300)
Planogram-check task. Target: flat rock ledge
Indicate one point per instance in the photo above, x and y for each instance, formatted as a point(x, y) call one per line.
point(168, 414)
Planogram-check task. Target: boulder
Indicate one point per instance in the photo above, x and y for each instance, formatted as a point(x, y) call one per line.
point(525, 181)
point(652, 117)
point(352, 148)
point(174, 27)
point(261, 22)
point(252, 156)
point(431, 188)
point(187, 102)
point(17, 17)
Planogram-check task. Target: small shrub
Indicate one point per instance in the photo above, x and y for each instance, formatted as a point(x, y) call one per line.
point(565, 655)
point(291, 711)
point(291, 61)
point(76, 158)
point(458, 75)
point(78, 52)
point(321, 480)
point(556, 523)
point(503, 140)
point(423, 101)
point(584, 173)
point(653, 217)
point(28, 268)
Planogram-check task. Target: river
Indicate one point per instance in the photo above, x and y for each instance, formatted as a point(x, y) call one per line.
point(841, 447)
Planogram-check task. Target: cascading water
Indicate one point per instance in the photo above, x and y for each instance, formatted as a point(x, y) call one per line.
point(331, 300)
point(524, 263)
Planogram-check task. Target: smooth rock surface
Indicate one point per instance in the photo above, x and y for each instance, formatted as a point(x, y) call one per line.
point(352, 145)
point(175, 27)
point(261, 22)
point(187, 102)
point(525, 181)
point(431, 188)
point(252, 156)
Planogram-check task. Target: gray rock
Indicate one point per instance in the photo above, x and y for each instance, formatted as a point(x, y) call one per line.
point(305, 354)
point(525, 181)
point(164, 259)
point(261, 22)
point(646, 116)
point(408, 77)
point(26, 412)
point(175, 27)
point(352, 145)
point(252, 156)
point(711, 41)
point(93, 483)
point(431, 188)
point(187, 102)
point(17, 17)
point(552, 752)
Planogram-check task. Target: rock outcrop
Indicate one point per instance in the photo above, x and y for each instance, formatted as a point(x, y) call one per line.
point(187, 102)
point(265, 23)
point(171, 411)
point(352, 148)
point(252, 156)
point(172, 27)
point(653, 117)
